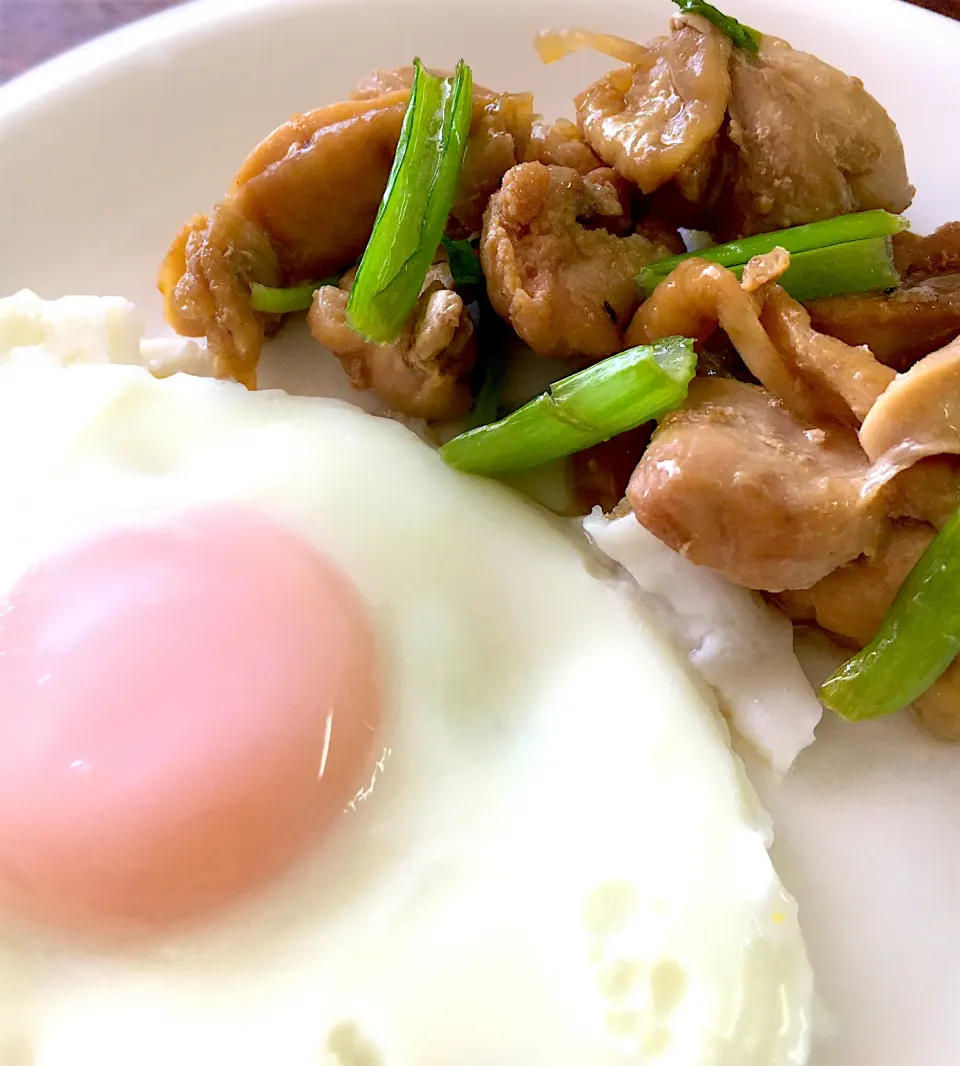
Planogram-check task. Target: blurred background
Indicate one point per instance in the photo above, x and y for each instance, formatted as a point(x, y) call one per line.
point(34, 30)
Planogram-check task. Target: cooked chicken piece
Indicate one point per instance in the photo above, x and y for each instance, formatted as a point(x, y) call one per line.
point(499, 139)
point(851, 602)
point(928, 491)
point(918, 415)
point(898, 327)
point(566, 288)
point(847, 381)
point(937, 254)
point(736, 482)
point(423, 373)
point(314, 185)
point(912, 321)
point(600, 474)
point(697, 297)
point(805, 142)
point(211, 296)
point(560, 144)
point(651, 119)
point(938, 709)
point(817, 377)
point(303, 205)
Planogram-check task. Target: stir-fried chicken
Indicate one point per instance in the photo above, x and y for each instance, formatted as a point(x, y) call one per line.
point(851, 602)
point(423, 374)
point(816, 377)
point(741, 143)
point(736, 482)
point(303, 205)
point(918, 415)
point(564, 282)
point(560, 144)
point(804, 142)
point(650, 120)
point(914, 320)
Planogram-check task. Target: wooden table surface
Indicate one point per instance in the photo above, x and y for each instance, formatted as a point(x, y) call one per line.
point(34, 30)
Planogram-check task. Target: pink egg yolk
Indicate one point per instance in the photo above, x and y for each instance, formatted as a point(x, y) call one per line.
point(186, 705)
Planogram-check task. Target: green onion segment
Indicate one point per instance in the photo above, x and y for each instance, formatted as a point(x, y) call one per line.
point(742, 36)
point(611, 397)
point(851, 253)
point(413, 212)
point(917, 641)
point(286, 301)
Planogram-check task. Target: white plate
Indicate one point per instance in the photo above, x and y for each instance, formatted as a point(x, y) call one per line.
point(106, 151)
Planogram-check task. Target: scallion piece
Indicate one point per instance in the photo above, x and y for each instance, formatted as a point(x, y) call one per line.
point(742, 36)
point(917, 641)
point(611, 397)
point(858, 266)
point(286, 301)
point(464, 264)
point(415, 206)
point(840, 230)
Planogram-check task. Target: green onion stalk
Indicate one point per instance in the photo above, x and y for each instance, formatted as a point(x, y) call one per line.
point(918, 639)
point(414, 210)
point(285, 301)
point(613, 396)
point(851, 253)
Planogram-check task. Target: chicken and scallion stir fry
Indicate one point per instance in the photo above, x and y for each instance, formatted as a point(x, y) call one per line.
point(782, 406)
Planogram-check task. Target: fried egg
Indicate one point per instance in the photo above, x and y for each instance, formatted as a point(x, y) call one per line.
point(315, 751)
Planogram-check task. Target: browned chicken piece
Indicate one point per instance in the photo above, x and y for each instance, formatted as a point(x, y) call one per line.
point(914, 320)
point(937, 254)
point(600, 474)
point(564, 282)
point(205, 279)
point(804, 142)
point(738, 143)
point(938, 709)
point(898, 327)
point(928, 491)
point(560, 144)
point(653, 118)
point(696, 298)
point(847, 381)
point(424, 373)
point(817, 377)
point(736, 482)
point(851, 602)
point(499, 139)
point(918, 415)
point(302, 207)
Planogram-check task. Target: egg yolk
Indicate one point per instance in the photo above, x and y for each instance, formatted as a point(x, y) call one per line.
point(186, 705)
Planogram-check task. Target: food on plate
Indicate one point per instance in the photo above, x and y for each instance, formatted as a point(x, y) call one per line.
point(812, 450)
point(303, 757)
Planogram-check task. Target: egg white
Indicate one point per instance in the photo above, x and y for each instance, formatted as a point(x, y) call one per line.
point(559, 862)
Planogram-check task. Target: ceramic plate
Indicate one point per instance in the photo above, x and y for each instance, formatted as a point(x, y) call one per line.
point(106, 151)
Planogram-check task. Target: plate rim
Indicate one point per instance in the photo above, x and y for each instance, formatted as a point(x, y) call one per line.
point(92, 58)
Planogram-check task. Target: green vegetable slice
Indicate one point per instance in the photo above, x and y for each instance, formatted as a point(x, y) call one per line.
point(742, 36)
point(286, 301)
point(415, 206)
point(851, 253)
point(917, 641)
point(859, 266)
point(857, 227)
point(611, 397)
